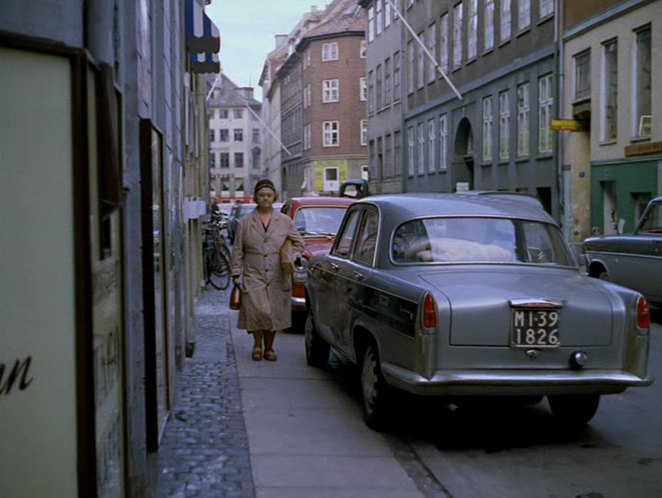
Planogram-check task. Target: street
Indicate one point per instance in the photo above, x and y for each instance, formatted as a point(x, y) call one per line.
point(500, 450)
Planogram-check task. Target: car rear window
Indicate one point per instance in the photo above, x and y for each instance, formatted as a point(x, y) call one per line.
point(319, 220)
point(474, 240)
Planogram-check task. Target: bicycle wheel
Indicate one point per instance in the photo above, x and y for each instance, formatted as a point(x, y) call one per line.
point(218, 271)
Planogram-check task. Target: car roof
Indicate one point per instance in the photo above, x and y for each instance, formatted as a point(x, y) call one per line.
point(406, 206)
point(320, 201)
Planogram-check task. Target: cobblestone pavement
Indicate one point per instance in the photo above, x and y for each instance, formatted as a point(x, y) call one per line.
point(204, 450)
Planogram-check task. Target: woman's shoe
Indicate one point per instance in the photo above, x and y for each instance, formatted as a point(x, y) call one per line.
point(257, 354)
point(270, 355)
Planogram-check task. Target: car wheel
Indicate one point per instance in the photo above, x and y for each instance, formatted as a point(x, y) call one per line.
point(317, 350)
point(377, 394)
point(574, 410)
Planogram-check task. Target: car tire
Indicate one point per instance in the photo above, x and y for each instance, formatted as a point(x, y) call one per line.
point(377, 394)
point(317, 350)
point(574, 410)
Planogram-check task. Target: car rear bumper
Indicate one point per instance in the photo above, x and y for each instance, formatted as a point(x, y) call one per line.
point(298, 304)
point(512, 382)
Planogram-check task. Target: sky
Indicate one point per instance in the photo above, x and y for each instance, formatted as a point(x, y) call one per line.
point(248, 28)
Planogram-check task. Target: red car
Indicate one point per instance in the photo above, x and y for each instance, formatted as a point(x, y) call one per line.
point(318, 220)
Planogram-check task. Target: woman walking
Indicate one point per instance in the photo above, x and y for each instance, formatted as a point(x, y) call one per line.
point(256, 266)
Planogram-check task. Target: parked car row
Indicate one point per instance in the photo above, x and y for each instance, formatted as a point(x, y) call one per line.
point(472, 294)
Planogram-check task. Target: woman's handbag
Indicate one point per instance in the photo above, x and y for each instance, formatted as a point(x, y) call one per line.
point(235, 298)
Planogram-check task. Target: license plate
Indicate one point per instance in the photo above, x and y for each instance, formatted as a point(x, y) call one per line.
point(535, 328)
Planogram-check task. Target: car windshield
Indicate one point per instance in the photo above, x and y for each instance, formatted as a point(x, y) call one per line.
point(473, 240)
point(319, 220)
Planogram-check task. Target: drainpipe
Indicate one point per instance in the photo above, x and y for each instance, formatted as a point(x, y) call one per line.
point(564, 177)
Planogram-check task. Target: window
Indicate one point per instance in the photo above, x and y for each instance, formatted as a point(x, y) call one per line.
point(488, 32)
point(371, 24)
point(472, 30)
point(411, 54)
point(238, 135)
point(410, 150)
point(344, 240)
point(443, 142)
point(583, 75)
point(642, 82)
point(363, 89)
point(524, 14)
point(379, 17)
point(388, 154)
point(212, 160)
point(238, 159)
point(331, 133)
point(523, 120)
point(364, 132)
point(367, 238)
point(238, 113)
point(224, 135)
point(420, 62)
point(504, 125)
point(256, 154)
point(309, 94)
point(330, 91)
point(388, 91)
point(223, 113)
point(504, 34)
point(397, 159)
point(487, 128)
point(238, 185)
point(256, 135)
point(396, 77)
point(379, 94)
point(610, 91)
point(432, 144)
point(546, 8)
point(330, 52)
point(458, 17)
point(443, 43)
point(432, 48)
point(225, 159)
point(307, 135)
point(371, 92)
point(212, 135)
point(545, 101)
point(421, 148)
point(363, 49)
point(387, 14)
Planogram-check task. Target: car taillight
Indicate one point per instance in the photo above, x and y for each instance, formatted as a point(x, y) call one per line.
point(643, 314)
point(429, 312)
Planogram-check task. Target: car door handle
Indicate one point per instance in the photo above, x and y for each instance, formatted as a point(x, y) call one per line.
point(334, 266)
point(357, 275)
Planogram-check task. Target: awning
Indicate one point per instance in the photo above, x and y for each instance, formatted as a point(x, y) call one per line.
point(203, 40)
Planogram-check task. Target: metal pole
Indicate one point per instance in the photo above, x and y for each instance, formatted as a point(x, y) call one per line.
point(425, 50)
point(267, 127)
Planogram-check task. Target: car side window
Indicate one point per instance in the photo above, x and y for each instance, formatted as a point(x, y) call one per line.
point(367, 238)
point(653, 221)
point(343, 245)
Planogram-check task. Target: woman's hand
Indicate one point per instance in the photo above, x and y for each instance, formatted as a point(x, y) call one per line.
point(235, 279)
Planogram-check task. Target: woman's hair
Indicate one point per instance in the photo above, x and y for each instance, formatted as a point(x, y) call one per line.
point(265, 183)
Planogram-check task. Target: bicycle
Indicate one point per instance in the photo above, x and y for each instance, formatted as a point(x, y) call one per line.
point(216, 256)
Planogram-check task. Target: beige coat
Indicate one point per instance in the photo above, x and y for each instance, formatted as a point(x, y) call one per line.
point(265, 297)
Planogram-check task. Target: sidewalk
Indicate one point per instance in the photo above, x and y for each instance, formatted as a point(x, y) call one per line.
point(281, 429)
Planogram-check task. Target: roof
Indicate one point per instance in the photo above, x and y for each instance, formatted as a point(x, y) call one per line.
point(232, 95)
point(406, 206)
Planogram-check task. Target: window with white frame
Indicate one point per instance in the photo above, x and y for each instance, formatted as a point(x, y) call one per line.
point(330, 91)
point(609, 90)
point(411, 57)
point(420, 156)
point(397, 87)
point(306, 102)
point(238, 159)
point(443, 43)
point(212, 160)
point(443, 142)
point(224, 160)
point(331, 134)
point(309, 92)
point(379, 90)
point(307, 58)
point(506, 20)
point(546, 8)
point(487, 128)
point(212, 135)
point(307, 136)
point(238, 113)
point(411, 151)
point(582, 63)
point(330, 51)
point(420, 62)
point(371, 92)
point(523, 120)
point(472, 30)
point(545, 102)
point(488, 20)
point(432, 48)
point(363, 49)
point(642, 84)
point(387, 14)
point(364, 132)
point(397, 158)
point(523, 14)
point(388, 84)
point(224, 135)
point(379, 17)
point(432, 144)
point(363, 89)
point(504, 125)
point(238, 135)
point(371, 24)
point(256, 135)
point(458, 18)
